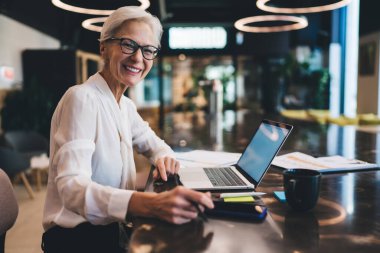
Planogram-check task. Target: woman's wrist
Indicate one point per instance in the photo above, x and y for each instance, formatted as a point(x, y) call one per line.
point(141, 204)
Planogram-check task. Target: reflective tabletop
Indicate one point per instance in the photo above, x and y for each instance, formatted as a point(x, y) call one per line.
point(345, 219)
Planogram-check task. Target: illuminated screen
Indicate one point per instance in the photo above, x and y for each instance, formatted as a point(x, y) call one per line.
point(262, 149)
point(197, 37)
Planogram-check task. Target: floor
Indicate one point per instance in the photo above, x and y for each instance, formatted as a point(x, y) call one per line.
point(25, 235)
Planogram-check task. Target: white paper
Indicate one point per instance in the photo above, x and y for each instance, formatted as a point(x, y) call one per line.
point(197, 158)
point(323, 164)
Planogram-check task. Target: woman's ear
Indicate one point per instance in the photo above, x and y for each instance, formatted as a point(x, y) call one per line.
point(102, 48)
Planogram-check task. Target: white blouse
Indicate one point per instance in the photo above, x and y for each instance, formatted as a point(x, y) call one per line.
point(92, 172)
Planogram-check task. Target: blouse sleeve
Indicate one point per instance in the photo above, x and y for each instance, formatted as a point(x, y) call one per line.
point(145, 141)
point(75, 138)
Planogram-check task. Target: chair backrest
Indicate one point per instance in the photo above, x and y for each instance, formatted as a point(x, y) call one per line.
point(13, 162)
point(8, 207)
point(27, 142)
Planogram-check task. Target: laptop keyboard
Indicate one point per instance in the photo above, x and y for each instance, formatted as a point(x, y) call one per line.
point(224, 176)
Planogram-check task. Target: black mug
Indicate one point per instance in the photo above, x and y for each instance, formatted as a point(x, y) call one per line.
point(302, 188)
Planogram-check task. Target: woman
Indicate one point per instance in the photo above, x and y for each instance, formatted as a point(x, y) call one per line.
point(93, 130)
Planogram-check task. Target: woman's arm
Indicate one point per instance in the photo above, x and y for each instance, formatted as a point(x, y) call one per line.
point(175, 206)
point(146, 142)
point(74, 135)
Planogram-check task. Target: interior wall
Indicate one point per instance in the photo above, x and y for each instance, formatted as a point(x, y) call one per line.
point(16, 37)
point(368, 74)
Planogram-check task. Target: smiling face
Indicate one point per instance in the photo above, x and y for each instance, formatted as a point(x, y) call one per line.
point(127, 69)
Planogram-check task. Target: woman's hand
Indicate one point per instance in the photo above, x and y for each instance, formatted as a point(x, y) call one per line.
point(175, 206)
point(164, 166)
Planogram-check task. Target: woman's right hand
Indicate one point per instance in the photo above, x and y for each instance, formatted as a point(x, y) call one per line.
point(175, 206)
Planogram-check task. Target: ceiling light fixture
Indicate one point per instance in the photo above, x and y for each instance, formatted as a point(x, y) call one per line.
point(144, 5)
point(262, 4)
point(89, 24)
point(299, 23)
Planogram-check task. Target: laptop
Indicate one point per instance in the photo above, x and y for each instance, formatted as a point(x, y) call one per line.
point(250, 168)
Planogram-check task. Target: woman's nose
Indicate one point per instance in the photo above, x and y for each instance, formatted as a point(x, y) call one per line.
point(138, 55)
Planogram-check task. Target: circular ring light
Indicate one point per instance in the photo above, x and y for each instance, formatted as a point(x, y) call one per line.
point(144, 5)
point(299, 23)
point(262, 4)
point(89, 24)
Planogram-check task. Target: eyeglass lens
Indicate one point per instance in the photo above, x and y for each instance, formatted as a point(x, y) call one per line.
point(129, 47)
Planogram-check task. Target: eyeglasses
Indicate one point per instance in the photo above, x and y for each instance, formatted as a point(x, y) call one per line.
point(129, 46)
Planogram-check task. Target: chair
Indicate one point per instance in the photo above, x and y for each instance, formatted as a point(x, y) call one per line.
point(8, 207)
point(15, 164)
point(30, 144)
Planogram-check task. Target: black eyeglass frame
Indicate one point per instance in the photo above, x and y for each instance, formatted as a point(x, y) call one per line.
point(136, 47)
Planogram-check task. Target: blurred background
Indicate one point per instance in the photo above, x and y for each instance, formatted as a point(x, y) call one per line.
point(330, 65)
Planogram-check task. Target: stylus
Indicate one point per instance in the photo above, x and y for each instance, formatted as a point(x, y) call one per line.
point(200, 213)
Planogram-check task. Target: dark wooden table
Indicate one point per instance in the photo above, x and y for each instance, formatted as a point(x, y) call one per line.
point(346, 218)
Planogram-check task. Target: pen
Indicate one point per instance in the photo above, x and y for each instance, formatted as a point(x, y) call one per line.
point(177, 181)
point(200, 213)
point(238, 194)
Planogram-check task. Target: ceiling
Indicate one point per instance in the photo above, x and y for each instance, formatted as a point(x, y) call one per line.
point(66, 26)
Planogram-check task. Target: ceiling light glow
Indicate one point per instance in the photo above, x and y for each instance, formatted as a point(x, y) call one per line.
point(299, 23)
point(144, 5)
point(197, 37)
point(89, 24)
point(262, 4)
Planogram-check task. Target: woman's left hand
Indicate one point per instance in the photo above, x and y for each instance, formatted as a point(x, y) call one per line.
point(165, 166)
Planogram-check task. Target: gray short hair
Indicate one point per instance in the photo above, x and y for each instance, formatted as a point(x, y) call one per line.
point(119, 16)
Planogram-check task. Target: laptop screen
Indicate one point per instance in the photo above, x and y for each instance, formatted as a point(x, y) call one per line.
point(262, 149)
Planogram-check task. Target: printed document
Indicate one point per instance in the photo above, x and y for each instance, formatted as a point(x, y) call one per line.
point(323, 164)
point(205, 158)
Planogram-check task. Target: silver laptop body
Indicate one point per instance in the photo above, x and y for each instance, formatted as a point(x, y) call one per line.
point(251, 167)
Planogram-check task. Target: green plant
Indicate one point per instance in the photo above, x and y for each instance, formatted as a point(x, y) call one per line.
point(292, 71)
point(300, 77)
point(319, 80)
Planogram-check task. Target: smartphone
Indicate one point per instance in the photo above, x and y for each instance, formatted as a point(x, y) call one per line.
point(249, 211)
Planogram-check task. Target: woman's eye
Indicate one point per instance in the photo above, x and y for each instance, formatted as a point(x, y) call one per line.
point(148, 51)
point(130, 45)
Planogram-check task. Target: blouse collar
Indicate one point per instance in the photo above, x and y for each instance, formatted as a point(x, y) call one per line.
point(102, 85)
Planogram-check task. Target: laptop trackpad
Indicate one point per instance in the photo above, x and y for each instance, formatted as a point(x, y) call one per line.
point(194, 178)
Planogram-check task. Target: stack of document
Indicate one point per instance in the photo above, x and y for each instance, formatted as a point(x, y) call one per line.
point(323, 164)
point(204, 158)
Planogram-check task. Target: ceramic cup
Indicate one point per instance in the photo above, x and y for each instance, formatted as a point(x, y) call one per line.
point(301, 188)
